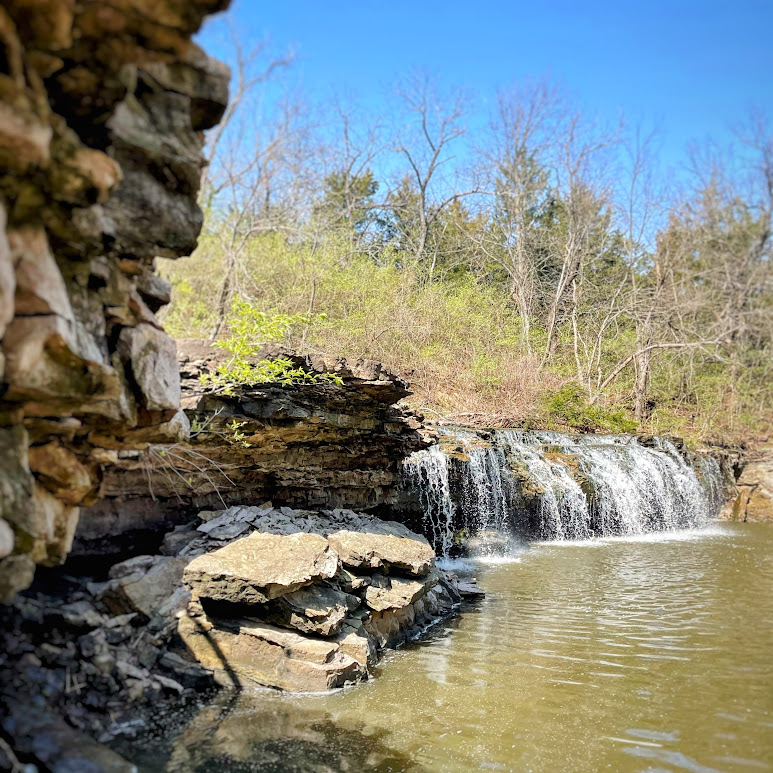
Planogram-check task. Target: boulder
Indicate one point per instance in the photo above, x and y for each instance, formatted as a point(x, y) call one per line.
point(396, 592)
point(468, 589)
point(244, 651)
point(316, 609)
point(384, 545)
point(261, 567)
point(152, 356)
point(146, 584)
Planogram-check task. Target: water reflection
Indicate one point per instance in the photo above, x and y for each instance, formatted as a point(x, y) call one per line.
point(630, 656)
point(259, 731)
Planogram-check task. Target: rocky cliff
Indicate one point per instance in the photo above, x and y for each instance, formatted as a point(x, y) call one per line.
point(102, 109)
point(754, 486)
point(314, 445)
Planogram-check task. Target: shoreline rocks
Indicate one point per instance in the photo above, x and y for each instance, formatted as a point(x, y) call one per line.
point(312, 606)
point(98, 654)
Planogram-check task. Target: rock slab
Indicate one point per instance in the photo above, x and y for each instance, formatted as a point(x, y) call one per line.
point(261, 567)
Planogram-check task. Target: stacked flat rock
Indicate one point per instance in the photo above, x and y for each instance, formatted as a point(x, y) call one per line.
point(304, 601)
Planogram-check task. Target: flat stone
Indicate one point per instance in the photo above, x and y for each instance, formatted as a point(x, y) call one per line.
point(246, 651)
point(261, 567)
point(468, 589)
point(382, 545)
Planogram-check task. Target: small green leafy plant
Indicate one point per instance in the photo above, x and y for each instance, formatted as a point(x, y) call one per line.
point(570, 406)
point(251, 329)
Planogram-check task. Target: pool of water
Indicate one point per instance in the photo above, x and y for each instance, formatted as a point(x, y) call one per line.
point(650, 654)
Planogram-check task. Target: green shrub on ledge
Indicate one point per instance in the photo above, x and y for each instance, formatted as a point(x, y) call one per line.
point(251, 329)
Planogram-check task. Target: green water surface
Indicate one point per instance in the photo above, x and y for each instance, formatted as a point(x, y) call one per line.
point(651, 654)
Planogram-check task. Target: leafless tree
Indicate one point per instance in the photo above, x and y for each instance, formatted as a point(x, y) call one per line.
point(583, 186)
point(433, 125)
point(524, 133)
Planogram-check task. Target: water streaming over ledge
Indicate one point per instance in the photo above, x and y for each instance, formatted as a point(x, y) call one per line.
point(548, 485)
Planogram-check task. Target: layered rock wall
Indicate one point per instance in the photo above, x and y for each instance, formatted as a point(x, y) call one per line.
point(102, 109)
point(754, 487)
point(312, 445)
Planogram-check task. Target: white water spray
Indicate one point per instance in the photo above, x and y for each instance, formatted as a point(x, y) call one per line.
point(548, 485)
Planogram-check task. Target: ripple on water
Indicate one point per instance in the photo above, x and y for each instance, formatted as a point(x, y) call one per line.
point(643, 654)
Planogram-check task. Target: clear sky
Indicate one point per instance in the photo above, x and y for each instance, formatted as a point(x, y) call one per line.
point(690, 67)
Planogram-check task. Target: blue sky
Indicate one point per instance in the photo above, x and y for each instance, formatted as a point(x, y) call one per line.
point(691, 68)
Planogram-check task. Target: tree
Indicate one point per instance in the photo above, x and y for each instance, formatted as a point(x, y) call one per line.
point(432, 127)
point(583, 189)
point(524, 132)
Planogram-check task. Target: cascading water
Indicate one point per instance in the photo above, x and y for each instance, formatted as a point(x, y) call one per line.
point(547, 485)
point(427, 473)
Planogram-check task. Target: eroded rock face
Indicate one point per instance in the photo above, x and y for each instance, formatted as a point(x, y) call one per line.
point(754, 499)
point(315, 445)
point(102, 107)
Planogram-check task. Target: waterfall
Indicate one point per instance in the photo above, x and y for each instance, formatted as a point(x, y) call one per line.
point(547, 485)
point(427, 473)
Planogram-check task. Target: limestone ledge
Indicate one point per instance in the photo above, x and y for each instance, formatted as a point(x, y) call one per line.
point(316, 445)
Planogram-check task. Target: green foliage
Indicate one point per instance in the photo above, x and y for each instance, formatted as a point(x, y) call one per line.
point(251, 329)
point(347, 200)
point(237, 436)
point(569, 405)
